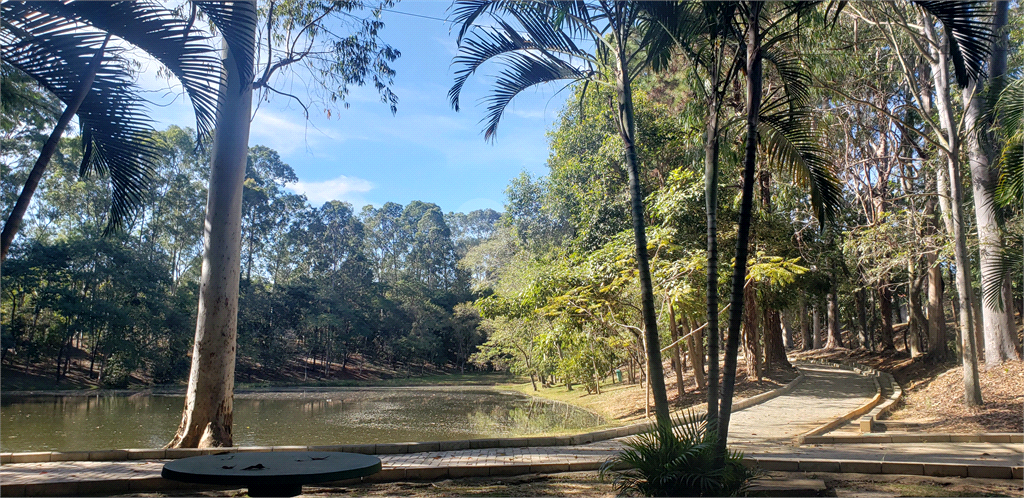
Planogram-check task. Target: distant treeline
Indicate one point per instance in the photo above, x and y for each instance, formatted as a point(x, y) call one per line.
point(320, 284)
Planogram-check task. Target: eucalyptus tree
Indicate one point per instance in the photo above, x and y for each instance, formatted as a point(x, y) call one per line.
point(537, 43)
point(998, 323)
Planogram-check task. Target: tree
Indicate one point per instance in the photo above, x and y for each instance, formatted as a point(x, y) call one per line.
point(64, 48)
point(546, 51)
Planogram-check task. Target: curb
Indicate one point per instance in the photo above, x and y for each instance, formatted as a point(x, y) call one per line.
point(992, 437)
point(881, 467)
point(857, 412)
point(368, 449)
point(144, 484)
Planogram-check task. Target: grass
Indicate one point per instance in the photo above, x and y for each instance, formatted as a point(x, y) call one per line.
point(613, 404)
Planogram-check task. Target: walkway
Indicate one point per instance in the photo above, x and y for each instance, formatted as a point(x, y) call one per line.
point(764, 432)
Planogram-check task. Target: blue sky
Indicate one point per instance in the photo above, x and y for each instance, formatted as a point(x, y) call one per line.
point(427, 151)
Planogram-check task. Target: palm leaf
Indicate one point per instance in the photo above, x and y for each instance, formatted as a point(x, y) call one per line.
point(528, 59)
point(1010, 115)
point(236, 22)
point(55, 51)
point(792, 145)
point(185, 52)
point(488, 44)
point(970, 37)
point(522, 71)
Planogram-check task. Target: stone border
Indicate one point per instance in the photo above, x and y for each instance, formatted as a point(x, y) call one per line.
point(370, 449)
point(880, 467)
point(992, 437)
point(857, 412)
point(156, 483)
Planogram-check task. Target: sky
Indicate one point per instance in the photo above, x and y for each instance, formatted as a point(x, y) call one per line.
point(426, 151)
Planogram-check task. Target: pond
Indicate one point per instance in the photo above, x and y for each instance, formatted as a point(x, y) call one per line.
point(311, 417)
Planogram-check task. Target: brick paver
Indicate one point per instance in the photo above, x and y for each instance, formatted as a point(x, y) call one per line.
point(764, 431)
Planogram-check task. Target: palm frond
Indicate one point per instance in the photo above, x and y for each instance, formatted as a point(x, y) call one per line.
point(677, 461)
point(236, 21)
point(969, 34)
point(1009, 261)
point(184, 51)
point(792, 145)
point(522, 71)
point(489, 44)
point(55, 51)
point(1009, 111)
point(794, 76)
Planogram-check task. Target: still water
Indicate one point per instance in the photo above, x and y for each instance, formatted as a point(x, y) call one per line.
point(321, 417)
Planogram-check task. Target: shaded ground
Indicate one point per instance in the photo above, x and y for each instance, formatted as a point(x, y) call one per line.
point(934, 392)
point(591, 484)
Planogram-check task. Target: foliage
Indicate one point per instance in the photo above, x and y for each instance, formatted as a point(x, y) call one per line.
point(677, 461)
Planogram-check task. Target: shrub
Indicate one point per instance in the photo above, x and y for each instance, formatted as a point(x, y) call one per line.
point(677, 461)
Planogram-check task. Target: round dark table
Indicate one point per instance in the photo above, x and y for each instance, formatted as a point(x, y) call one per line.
point(280, 473)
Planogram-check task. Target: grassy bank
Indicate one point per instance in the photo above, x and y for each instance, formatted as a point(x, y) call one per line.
point(618, 403)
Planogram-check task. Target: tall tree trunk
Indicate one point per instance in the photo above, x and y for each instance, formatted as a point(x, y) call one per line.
point(13, 222)
point(753, 109)
point(816, 326)
point(885, 310)
point(677, 364)
point(711, 206)
point(774, 350)
point(997, 317)
point(206, 420)
point(805, 325)
point(862, 319)
point(695, 344)
point(751, 334)
point(916, 321)
point(787, 330)
point(940, 77)
point(835, 333)
point(627, 131)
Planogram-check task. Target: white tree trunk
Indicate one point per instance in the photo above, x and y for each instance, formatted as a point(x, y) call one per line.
point(206, 420)
point(997, 318)
point(954, 217)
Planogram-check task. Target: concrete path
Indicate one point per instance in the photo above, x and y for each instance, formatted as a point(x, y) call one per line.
point(764, 432)
point(826, 393)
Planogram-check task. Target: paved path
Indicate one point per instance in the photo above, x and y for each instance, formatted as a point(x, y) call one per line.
point(826, 393)
point(764, 432)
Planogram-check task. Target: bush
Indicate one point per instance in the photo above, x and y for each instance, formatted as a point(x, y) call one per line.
point(677, 461)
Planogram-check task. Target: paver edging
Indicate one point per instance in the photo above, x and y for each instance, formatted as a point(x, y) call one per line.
point(931, 437)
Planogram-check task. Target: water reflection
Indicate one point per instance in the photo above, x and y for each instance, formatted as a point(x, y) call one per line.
point(322, 417)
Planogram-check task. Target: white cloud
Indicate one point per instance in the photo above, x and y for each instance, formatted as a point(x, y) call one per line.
point(342, 188)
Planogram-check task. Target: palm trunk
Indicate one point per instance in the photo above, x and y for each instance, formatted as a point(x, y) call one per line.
point(25, 198)
point(754, 83)
point(627, 131)
point(711, 206)
point(206, 420)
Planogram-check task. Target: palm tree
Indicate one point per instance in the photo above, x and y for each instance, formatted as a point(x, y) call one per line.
point(49, 40)
point(535, 42)
point(64, 48)
point(968, 52)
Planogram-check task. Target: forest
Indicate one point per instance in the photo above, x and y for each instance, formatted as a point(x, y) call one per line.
point(909, 223)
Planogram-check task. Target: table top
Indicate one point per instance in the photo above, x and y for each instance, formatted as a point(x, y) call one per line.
point(277, 468)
